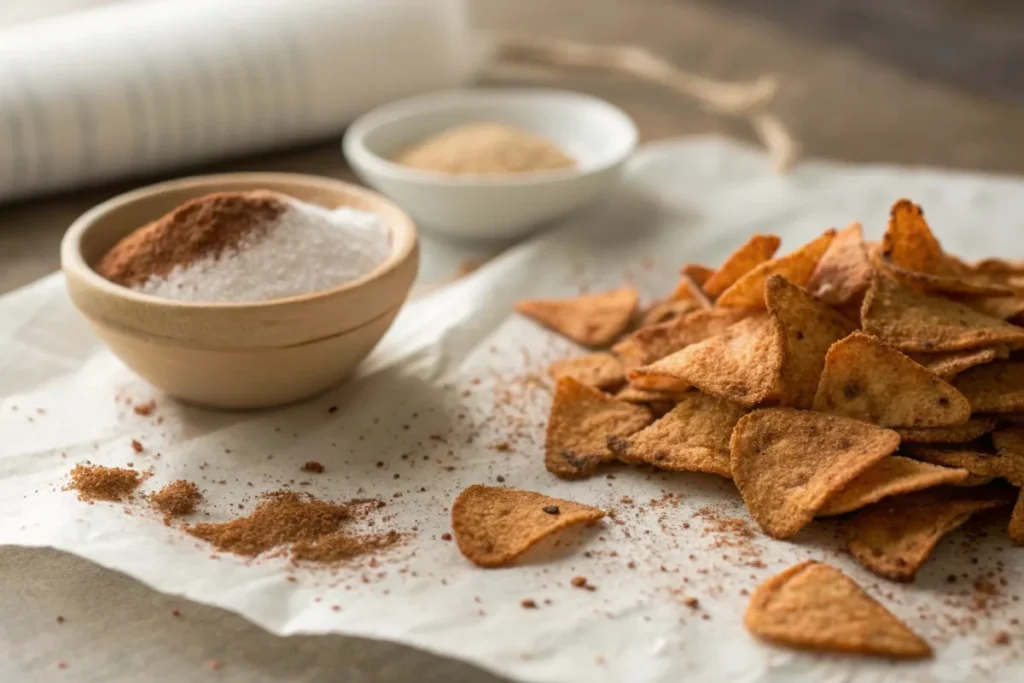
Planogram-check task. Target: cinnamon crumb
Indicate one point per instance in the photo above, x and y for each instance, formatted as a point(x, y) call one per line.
point(313, 466)
point(691, 602)
point(60, 619)
point(136, 446)
point(446, 537)
point(176, 612)
point(215, 665)
point(144, 408)
point(528, 604)
point(1001, 638)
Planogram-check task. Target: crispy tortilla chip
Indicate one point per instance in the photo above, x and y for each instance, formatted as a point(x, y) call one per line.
point(493, 526)
point(1009, 445)
point(757, 250)
point(807, 328)
point(893, 476)
point(1017, 521)
point(844, 271)
point(632, 394)
point(581, 420)
point(699, 272)
point(969, 457)
point(797, 267)
point(664, 311)
point(601, 370)
point(867, 380)
point(975, 285)
point(949, 364)
point(968, 431)
point(909, 321)
point(692, 437)
point(788, 463)
point(814, 606)
point(894, 537)
point(688, 290)
point(590, 320)
point(649, 344)
point(743, 365)
point(994, 388)
point(998, 266)
point(909, 244)
point(1003, 307)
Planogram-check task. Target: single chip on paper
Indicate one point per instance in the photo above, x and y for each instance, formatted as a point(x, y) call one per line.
point(894, 537)
point(755, 251)
point(893, 476)
point(742, 365)
point(601, 370)
point(814, 606)
point(964, 433)
point(494, 525)
point(948, 364)
point(866, 380)
point(797, 267)
point(581, 420)
point(807, 328)
point(788, 463)
point(590, 320)
point(844, 271)
point(692, 437)
point(994, 388)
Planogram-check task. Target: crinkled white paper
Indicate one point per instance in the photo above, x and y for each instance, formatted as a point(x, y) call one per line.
point(431, 413)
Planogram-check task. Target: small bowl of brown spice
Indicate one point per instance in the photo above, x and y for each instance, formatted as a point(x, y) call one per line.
point(243, 290)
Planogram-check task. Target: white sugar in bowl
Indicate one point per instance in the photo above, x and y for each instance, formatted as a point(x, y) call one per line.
point(599, 136)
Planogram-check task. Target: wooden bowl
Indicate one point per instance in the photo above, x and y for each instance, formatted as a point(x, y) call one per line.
point(239, 355)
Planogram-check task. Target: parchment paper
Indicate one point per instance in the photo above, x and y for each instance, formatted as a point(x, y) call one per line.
point(455, 396)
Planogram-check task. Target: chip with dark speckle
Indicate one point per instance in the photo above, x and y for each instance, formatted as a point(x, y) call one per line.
point(590, 320)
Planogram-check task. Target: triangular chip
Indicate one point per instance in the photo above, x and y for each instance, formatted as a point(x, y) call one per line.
point(649, 344)
point(1009, 445)
point(969, 457)
point(814, 606)
point(949, 364)
point(493, 526)
point(797, 267)
point(893, 476)
point(1017, 521)
point(998, 266)
point(581, 420)
point(807, 328)
point(909, 321)
point(844, 271)
point(968, 431)
point(664, 311)
point(601, 370)
point(961, 285)
point(1003, 307)
point(894, 537)
point(632, 394)
point(909, 243)
point(867, 380)
point(994, 388)
point(699, 272)
point(692, 437)
point(742, 365)
point(688, 290)
point(788, 463)
point(590, 320)
point(757, 250)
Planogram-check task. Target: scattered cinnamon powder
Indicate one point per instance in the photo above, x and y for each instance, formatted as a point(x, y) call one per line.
point(177, 499)
point(313, 466)
point(96, 482)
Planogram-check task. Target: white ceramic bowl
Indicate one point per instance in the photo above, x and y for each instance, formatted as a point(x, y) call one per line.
point(597, 134)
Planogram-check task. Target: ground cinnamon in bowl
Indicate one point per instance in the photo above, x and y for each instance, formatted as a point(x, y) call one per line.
point(96, 482)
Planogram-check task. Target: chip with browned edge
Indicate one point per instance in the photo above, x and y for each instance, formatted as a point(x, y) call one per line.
point(814, 606)
point(1009, 445)
point(600, 369)
point(807, 328)
point(755, 251)
point(909, 243)
point(894, 537)
point(590, 320)
point(743, 365)
point(869, 381)
point(692, 437)
point(967, 456)
point(893, 476)
point(688, 290)
point(844, 271)
point(1005, 307)
point(797, 267)
point(788, 463)
point(949, 364)
point(649, 344)
point(968, 431)
point(632, 394)
point(699, 272)
point(994, 388)
point(493, 525)
point(581, 420)
point(1017, 521)
point(910, 321)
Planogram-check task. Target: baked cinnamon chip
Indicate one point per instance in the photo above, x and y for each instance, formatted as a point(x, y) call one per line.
point(797, 267)
point(664, 311)
point(632, 394)
point(814, 606)
point(807, 328)
point(949, 364)
point(998, 266)
point(688, 290)
point(969, 457)
point(649, 344)
point(968, 431)
point(893, 476)
point(581, 420)
point(590, 320)
point(1017, 521)
point(908, 242)
point(494, 526)
point(757, 250)
point(600, 370)
point(869, 381)
point(692, 437)
point(910, 321)
point(994, 388)
point(975, 285)
point(844, 271)
point(699, 272)
point(788, 463)
point(1009, 445)
point(1003, 307)
point(743, 365)
point(893, 538)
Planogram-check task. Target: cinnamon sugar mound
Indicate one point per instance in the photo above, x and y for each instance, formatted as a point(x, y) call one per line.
point(177, 499)
point(308, 528)
point(96, 482)
point(205, 226)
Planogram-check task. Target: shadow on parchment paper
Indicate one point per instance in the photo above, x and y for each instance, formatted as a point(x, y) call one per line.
point(115, 630)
